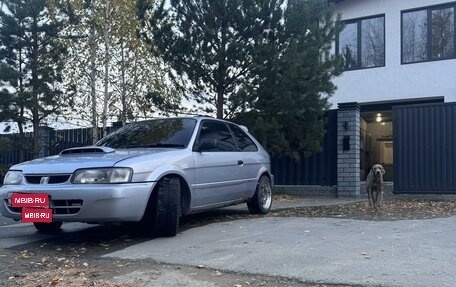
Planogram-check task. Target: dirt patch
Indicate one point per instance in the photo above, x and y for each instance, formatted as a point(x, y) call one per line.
point(35, 269)
point(397, 208)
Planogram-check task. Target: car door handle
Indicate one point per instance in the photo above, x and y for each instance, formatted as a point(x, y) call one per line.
point(240, 162)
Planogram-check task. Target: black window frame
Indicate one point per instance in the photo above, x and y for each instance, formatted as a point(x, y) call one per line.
point(230, 126)
point(359, 40)
point(429, 10)
point(196, 143)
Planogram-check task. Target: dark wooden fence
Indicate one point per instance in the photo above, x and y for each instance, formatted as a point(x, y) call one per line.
point(63, 139)
point(10, 142)
point(57, 140)
point(318, 169)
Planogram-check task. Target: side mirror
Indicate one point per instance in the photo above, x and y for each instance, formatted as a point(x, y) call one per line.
point(207, 144)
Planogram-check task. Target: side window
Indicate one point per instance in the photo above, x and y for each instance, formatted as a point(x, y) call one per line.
point(242, 139)
point(218, 134)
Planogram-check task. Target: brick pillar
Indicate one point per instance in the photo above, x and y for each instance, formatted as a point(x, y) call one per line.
point(348, 149)
point(45, 141)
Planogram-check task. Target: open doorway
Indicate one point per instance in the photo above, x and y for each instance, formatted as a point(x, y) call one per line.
point(376, 145)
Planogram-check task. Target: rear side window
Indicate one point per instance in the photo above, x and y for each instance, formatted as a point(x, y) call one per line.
point(243, 141)
point(219, 131)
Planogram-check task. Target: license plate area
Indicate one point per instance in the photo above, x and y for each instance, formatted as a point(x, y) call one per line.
point(36, 215)
point(34, 206)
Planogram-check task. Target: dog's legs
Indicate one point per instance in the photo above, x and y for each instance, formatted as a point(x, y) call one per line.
point(377, 197)
point(369, 196)
point(374, 198)
point(380, 201)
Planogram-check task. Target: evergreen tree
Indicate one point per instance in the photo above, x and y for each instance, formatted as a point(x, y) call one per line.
point(31, 55)
point(213, 46)
point(265, 63)
point(292, 95)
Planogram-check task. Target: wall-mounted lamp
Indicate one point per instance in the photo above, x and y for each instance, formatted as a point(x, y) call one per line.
point(379, 118)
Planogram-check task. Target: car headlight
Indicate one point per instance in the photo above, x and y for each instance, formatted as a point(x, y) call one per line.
point(102, 175)
point(13, 177)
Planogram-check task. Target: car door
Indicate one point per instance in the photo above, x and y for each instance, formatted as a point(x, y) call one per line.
point(218, 166)
point(252, 161)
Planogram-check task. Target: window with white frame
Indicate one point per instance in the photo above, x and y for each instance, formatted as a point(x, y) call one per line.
point(362, 43)
point(428, 34)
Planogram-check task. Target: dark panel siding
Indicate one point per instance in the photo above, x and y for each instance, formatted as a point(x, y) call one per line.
point(318, 169)
point(425, 148)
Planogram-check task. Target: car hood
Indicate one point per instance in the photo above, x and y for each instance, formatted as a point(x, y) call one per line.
point(68, 163)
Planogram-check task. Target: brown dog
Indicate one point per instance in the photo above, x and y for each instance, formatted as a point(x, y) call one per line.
point(374, 186)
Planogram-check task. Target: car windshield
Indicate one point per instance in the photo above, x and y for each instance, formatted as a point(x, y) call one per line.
point(167, 133)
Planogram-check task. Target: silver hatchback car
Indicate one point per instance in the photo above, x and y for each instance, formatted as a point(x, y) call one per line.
point(151, 172)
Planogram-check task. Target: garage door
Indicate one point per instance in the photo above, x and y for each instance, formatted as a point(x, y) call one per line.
point(424, 139)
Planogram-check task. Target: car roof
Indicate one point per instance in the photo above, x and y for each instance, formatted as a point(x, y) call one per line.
point(199, 118)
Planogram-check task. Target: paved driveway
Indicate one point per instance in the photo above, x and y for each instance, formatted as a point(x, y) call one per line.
point(395, 253)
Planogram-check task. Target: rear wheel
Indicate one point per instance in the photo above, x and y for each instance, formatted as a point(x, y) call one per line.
point(167, 207)
point(47, 227)
point(262, 200)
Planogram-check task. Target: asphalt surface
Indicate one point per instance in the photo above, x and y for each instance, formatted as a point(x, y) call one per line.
point(368, 253)
point(14, 233)
point(402, 253)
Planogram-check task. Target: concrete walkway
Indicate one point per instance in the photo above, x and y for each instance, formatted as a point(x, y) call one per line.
point(370, 253)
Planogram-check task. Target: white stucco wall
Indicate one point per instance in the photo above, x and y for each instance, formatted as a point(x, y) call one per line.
point(394, 81)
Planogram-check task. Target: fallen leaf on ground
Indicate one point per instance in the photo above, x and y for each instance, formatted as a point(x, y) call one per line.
point(218, 273)
point(55, 280)
point(23, 256)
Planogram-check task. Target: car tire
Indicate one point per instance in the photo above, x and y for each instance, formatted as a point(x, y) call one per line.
point(262, 200)
point(48, 227)
point(167, 207)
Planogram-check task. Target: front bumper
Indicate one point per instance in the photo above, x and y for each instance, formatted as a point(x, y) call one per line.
point(85, 202)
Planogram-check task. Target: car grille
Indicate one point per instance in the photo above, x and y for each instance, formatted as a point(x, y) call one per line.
point(48, 179)
point(70, 206)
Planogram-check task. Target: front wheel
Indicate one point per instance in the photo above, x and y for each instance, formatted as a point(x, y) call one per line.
point(262, 200)
point(167, 207)
point(48, 227)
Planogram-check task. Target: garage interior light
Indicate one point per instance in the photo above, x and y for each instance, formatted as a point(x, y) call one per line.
point(379, 118)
